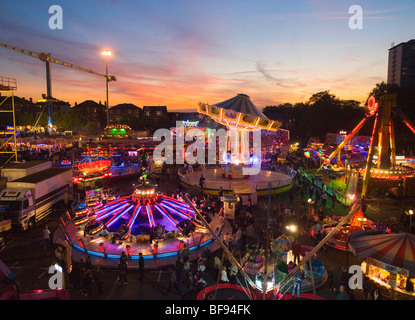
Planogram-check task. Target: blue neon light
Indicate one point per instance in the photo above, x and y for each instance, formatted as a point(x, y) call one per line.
point(161, 210)
point(111, 212)
point(175, 211)
point(136, 212)
point(115, 218)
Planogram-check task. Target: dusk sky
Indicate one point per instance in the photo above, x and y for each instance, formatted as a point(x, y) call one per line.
point(179, 52)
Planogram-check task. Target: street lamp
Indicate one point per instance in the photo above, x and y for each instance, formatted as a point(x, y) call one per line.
point(292, 228)
point(310, 202)
point(410, 213)
point(107, 53)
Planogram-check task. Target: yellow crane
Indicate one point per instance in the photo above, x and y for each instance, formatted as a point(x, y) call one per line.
point(48, 59)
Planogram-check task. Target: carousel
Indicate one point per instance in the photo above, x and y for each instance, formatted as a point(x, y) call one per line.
point(278, 265)
point(146, 221)
point(243, 121)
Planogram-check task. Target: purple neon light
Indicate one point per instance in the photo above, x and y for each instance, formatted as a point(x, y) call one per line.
point(175, 211)
point(134, 216)
point(179, 207)
point(150, 216)
point(177, 202)
point(116, 210)
point(165, 214)
point(109, 207)
point(116, 217)
point(117, 201)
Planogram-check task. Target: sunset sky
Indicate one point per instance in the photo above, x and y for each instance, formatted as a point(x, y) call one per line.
point(179, 52)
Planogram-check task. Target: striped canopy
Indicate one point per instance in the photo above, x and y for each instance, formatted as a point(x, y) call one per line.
point(395, 249)
point(238, 112)
point(241, 103)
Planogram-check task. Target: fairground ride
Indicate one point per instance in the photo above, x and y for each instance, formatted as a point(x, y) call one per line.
point(381, 169)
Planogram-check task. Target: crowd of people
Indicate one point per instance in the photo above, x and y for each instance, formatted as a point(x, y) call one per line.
point(191, 274)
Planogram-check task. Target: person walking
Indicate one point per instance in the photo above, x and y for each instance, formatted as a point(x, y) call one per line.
point(141, 266)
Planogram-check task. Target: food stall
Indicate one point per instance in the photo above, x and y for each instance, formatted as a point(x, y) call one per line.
point(388, 261)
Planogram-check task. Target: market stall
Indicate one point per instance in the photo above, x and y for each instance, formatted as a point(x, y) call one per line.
point(389, 261)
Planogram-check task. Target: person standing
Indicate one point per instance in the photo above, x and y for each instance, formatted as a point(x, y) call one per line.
point(296, 251)
point(123, 268)
point(299, 277)
point(179, 269)
point(224, 275)
point(238, 236)
point(99, 281)
point(173, 282)
point(88, 263)
point(324, 199)
point(87, 283)
point(342, 294)
point(46, 238)
point(202, 181)
point(141, 265)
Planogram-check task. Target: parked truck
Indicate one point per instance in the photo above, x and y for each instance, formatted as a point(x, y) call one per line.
point(28, 199)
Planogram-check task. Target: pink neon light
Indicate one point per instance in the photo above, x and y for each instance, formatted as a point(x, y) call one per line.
point(150, 216)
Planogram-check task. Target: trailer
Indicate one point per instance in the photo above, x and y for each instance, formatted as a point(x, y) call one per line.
point(13, 171)
point(29, 199)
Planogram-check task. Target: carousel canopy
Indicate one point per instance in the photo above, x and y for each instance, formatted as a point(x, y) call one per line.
point(239, 112)
point(394, 249)
point(241, 103)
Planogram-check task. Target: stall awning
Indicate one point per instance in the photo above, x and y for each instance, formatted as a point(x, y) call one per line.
point(396, 249)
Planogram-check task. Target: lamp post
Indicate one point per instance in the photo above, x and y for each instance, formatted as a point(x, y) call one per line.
point(410, 213)
point(107, 53)
point(310, 201)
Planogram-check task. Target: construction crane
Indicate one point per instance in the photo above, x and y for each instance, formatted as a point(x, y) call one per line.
point(48, 59)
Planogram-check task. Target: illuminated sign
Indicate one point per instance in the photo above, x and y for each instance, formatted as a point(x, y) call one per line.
point(92, 166)
point(190, 124)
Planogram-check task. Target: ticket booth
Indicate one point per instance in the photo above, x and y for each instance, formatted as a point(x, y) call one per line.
point(230, 203)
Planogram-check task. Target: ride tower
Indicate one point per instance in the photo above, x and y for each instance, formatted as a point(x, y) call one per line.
point(7, 86)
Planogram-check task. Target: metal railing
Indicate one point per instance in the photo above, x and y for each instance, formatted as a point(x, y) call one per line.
point(8, 83)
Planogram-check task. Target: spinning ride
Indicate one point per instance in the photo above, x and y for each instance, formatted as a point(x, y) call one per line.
point(380, 170)
point(148, 221)
point(244, 122)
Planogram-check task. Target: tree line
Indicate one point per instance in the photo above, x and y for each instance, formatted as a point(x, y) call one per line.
point(324, 113)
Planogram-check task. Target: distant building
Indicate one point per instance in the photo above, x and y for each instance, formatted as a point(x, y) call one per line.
point(117, 112)
point(23, 106)
point(155, 111)
point(401, 64)
point(92, 112)
point(182, 116)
